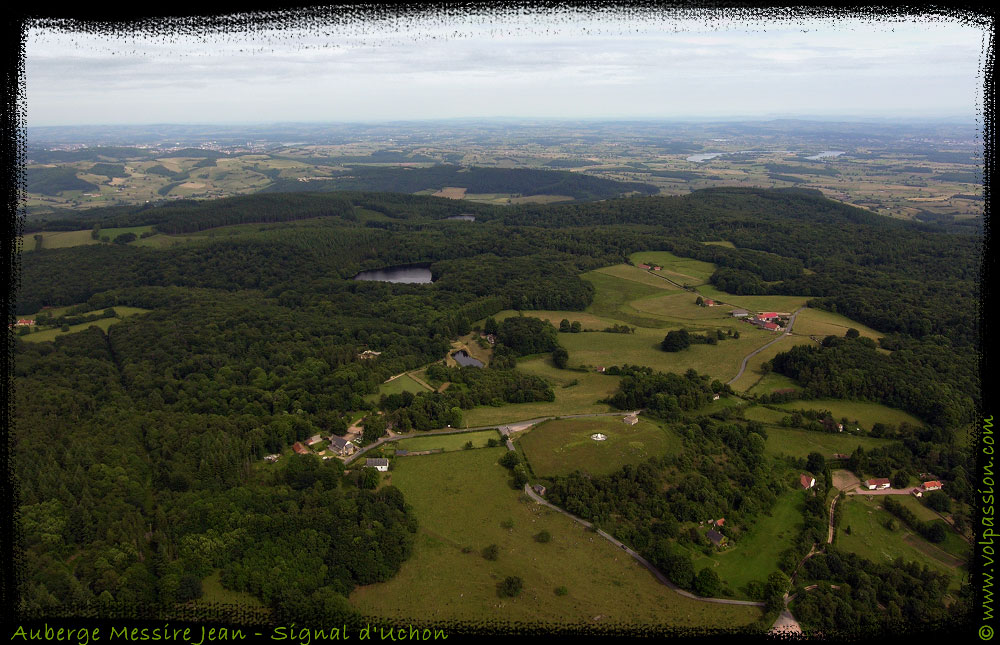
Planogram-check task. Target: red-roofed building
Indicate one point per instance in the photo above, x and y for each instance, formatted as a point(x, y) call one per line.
point(644, 266)
point(878, 483)
point(655, 268)
point(25, 322)
point(768, 315)
point(770, 326)
point(299, 448)
point(720, 521)
point(933, 485)
point(709, 302)
point(806, 481)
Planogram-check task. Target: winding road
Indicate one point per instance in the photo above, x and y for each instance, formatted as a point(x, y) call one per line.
point(788, 332)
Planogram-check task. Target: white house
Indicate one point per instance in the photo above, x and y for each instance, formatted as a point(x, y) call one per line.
point(879, 483)
point(380, 464)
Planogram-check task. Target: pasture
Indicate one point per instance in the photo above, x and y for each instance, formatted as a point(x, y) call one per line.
point(695, 271)
point(799, 443)
point(560, 446)
point(870, 538)
point(447, 442)
point(51, 333)
point(867, 414)
point(819, 323)
point(753, 374)
point(579, 398)
point(754, 556)
point(460, 499)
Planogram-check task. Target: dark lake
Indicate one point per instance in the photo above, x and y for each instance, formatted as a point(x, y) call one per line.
point(407, 274)
point(462, 358)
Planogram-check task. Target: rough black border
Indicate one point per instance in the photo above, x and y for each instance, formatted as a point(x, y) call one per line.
point(232, 18)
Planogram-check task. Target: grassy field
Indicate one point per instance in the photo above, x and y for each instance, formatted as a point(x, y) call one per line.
point(212, 591)
point(447, 442)
point(871, 539)
point(58, 239)
point(753, 373)
point(397, 386)
point(635, 274)
point(696, 271)
point(819, 323)
point(581, 398)
point(560, 446)
point(54, 332)
point(799, 443)
point(460, 499)
point(866, 413)
point(772, 383)
point(755, 555)
point(680, 306)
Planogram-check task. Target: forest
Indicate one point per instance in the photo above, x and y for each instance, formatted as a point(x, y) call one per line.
point(138, 448)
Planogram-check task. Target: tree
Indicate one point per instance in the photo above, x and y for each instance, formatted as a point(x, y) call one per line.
point(900, 479)
point(560, 357)
point(699, 301)
point(369, 478)
point(492, 552)
point(852, 333)
point(509, 587)
point(564, 325)
point(576, 327)
point(490, 327)
point(675, 341)
point(509, 459)
point(939, 501)
point(706, 583)
point(815, 463)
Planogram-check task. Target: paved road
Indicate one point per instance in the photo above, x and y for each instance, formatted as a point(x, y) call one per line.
point(505, 430)
point(788, 332)
point(659, 576)
point(884, 491)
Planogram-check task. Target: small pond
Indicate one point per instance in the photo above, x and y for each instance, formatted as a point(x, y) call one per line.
point(462, 358)
point(399, 275)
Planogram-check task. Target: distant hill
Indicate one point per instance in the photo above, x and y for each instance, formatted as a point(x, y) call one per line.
point(88, 154)
point(519, 181)
point(52, 181)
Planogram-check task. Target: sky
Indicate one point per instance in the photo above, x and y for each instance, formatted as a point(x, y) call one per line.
point(535, 65)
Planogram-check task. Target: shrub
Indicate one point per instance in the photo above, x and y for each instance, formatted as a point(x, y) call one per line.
point(543, 537)
point(510, 587)
point(492, 552)
point(561, 591)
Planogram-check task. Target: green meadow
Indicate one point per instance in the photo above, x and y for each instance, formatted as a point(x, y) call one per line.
point(447, 442)
point(560, 446)
point(460, 500)
point(870, 538)
point(867, 414)
point(799, 443)
point(51, 333)
point(754, 556)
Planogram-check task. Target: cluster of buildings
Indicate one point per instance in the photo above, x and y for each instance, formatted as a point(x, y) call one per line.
point(882, 483)
point(338, 446)
point(769, 320)
point(649, 267)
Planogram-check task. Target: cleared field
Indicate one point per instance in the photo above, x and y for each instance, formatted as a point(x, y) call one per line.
point(112, 233)
point(613, 297)
point(728, 245)
point(560, 446)
point(720, 361)
point(402, 384)
point(635, 274)
point(753, 373)
point(448, 442)
point(756, 303)
point(866, 413)
point(58, 239)
point(451, 193)
point(696, 270)
point(870, 538)
point(755, 555)
point(772, 383)
point(212, 591)
point(581, 398)
point(799, 443)
point(680, 306)
point(586, 320)
point(459, 500)
point(816, 322)
point(103, 324)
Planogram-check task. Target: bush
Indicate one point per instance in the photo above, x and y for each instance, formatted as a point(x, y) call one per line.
point(492, 552)
point(507, 524)
point(543, 537)
point(561, 591)
point(510, 587)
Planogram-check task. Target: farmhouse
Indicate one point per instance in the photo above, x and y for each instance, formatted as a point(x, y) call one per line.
point(631, 420)
point(313, 440)
point(720, 521)
point(380, 464)
point(739, 313)
point(769, 315)
point(770, 326)
point(715, 537)
point(709, 302)
point(341, 446)
point(878, 483)
point(299, 448)
point(539, 489)
point(933, 485)
point(368, 354)
point(806, 481)
point(600, 370)
point(271, 458)
point(25, 322)
point(644, 266)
